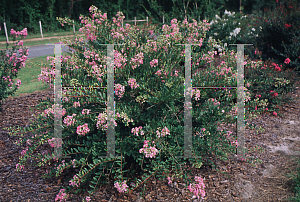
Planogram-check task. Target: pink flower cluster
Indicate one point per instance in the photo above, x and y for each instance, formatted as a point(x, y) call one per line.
point(55, 142)
point(119, 90)
point(277, 68)
point(97, 72)
point(73, 162)
point(215, 102)
point(23, 152)
point(287, 61)
point(196, 93)
point(165, 131)
point(116, 34)
point(60, 167)
point(154, 63)
point(137, 60)
point(152, 44)
point(85, 111)
point(20, 43)
point(120, 18)
point(13, 59)
point(274, 93)
point(51, 110)
point(135, 131)
point(149, 152)
point(19, 33)
point(75, 181)
point(287, 25)
point(82, 130)
point(125, 117)
point(18, 83)
point(159, 73)
point(132, 83)
point(88, 199)
point(121, 188)
point(19, 167)
point(102, 18)
point(119, 59)
point(101, 119)
point(69, 120)
point(76, 104)
point(8, 78)
point(61, 196)
point(89, 29)
point(197, 189)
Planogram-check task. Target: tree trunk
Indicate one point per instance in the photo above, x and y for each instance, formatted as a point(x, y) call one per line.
point(71, 8)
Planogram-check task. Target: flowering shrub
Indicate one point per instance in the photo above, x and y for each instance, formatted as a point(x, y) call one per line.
point(280, 38)
point(268, 77)
point(10, 64)
point(233, 28)
point(150, 133)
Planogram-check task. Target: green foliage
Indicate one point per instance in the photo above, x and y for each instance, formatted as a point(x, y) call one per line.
point(9, 64)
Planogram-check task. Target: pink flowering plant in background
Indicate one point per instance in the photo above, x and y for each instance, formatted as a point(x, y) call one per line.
point(149, 105)
point(10, 64)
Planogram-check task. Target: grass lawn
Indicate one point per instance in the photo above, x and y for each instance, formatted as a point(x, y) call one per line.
point(29, 76)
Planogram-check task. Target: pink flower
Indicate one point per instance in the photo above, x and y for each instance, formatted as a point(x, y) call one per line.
point(69, 120)
point(274, 93)
point(197, 189)
point(55, 142)
point(150, 152)
point(19, 167)
point(154, 63)
point(20, 43)
point(287, 61)
point(85, 111)
point(119, 90)
point(122, 188)
point(287, 25)
point(169, 180)
point(274, 113)
point(132, 83)
point(75, 181)
point(165, 131)
point(135, 131)
point(61, 196)
point(82, 130)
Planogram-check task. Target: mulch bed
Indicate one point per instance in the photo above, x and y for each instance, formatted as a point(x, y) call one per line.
point(233, 182)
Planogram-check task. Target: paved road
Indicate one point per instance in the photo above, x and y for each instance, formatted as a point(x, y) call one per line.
point(42, 50)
